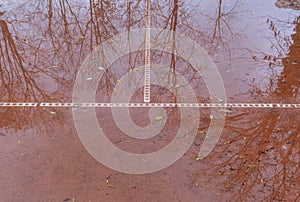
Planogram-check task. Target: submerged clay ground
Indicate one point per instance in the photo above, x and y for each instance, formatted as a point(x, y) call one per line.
point(254, 44)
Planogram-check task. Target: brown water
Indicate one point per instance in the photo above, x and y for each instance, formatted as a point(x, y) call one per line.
point(255, 46)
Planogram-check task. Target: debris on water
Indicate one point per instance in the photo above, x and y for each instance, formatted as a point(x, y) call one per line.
point(137, 69)
point(107, 181)
point(202, 131)
point(19, 141)
point(226, 110)
point(220, 99)
point(197, 158)
point(66, 199)
point(284, 147)
point(211, 117)
point(176, 86)
point(158, 118)
point(53, 113)
point(196, 184)
point(2, 134)
point(251, 165)
point(244, 138)
point(101, 68)
point(118, 81)
point(90, 78)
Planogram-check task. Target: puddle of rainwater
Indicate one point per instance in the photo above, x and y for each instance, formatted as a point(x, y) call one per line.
point(255, 46)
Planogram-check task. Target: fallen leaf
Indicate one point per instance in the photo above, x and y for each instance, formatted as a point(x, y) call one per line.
point(137, 69)
point(196, 184)
point(251, 165)
point(53, 113)
point(19, 141)
point(198, 158)
point(90, 78)
point(226, 110)
point(211, 117)
point(118, 81)
point(158, 118)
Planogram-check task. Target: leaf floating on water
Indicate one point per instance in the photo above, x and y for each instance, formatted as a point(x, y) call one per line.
point(118, 81)
point(197, 158)
point(158, 118)
point(201, 131)
point(196, 184)
point(251, 165)
point(211, 117)
point(108, 183)
point(244, 138)
point(226, 110)
point(137, 69)
point(19, 141)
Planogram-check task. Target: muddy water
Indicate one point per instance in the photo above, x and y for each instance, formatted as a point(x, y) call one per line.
point(255, 46)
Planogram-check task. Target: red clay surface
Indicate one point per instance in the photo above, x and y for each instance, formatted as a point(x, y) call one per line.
point(254, 44)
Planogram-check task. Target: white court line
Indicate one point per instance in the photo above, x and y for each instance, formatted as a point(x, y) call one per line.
point(147, 55)
point(188, 105)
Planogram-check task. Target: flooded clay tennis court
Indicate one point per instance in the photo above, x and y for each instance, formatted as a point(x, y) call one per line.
point(255, 45)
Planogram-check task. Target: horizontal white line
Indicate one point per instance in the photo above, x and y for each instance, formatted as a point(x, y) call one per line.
point(148, 104)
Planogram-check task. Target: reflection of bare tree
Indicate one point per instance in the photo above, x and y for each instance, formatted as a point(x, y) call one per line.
point(260, 157)
point(223, 34)
point(40, 55)
point(284, 63)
